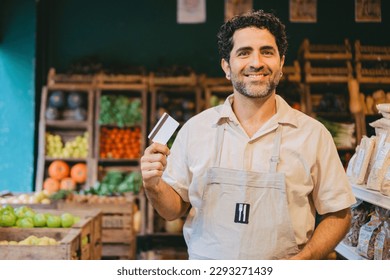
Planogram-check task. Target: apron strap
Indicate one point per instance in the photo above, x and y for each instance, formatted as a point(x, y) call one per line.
point(274, 160)
point(219, 144)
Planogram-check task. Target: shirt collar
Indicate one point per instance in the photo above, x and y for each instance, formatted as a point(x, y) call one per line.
point(284, 113)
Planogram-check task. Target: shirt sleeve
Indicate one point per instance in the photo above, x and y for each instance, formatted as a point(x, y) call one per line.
point(177, 173)
point(332, 191)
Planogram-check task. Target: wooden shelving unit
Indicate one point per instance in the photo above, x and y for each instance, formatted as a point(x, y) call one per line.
point(327, 70)
point(373, 197)
point(373, 75)
point(215, 88)
point(131, 87)
point(65, 128)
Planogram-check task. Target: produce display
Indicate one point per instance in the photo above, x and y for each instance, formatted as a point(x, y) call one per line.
point(66, 106)
point(26, 217)
point(120, 143)
point(216, 100)
point(64, 177)
point(120, 110)
point(111, 189)
point(117, 182)
point(31, 240)
point(76, 148)
point(180, 106)
point(343, 133)
point(41, 197)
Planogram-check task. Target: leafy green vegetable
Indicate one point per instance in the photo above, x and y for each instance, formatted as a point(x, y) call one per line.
point(120, 110)
point(117, 182)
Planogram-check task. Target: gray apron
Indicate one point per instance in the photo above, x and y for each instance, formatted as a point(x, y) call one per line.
point(243, 214)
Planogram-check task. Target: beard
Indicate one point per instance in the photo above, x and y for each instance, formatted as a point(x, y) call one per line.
point(255, 89)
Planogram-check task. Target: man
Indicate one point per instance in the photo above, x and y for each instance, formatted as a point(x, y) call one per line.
point(254, 170)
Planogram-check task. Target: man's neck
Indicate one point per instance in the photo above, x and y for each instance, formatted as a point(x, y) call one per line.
point(252, 113)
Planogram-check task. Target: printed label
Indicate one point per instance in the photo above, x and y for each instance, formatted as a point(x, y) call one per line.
point(242, 213)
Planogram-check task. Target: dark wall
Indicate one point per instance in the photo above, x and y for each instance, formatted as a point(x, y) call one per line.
point(146, 33)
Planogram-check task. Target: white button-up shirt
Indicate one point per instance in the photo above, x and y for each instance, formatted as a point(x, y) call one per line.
point(315, 177)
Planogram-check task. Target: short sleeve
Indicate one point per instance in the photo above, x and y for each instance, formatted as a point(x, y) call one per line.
point(332, 191)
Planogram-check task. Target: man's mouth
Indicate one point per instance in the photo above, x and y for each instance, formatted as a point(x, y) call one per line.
point(256, 75)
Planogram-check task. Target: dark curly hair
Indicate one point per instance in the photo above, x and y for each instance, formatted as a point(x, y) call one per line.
point(259, 19)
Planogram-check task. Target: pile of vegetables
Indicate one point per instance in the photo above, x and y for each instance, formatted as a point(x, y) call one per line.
point(120, 143)
point(111, 189)
point(120, 110)
point(343, 133)
point(116, 182)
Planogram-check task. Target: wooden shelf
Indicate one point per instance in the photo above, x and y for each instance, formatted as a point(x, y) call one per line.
point(50, 159)
point(371, 53)
point(67, 124)
point(371, 196)
point(325, 52)
point(348, 252)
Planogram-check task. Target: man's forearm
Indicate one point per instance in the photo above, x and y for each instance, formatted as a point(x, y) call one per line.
point(329, 232)
point(166, 201)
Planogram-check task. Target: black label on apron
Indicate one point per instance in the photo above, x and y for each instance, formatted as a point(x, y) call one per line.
point(242, 213)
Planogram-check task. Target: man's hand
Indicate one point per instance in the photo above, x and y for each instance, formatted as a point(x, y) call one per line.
point(153, 163)
point(163, 197)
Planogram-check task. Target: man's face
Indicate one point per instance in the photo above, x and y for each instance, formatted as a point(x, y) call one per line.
point(255, 66)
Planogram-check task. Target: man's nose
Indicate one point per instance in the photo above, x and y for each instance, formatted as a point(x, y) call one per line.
point(256, 60)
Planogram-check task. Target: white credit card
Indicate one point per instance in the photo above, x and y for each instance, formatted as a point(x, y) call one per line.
point(164, 129)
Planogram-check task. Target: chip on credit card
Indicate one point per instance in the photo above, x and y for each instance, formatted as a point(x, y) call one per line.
point(164, 129)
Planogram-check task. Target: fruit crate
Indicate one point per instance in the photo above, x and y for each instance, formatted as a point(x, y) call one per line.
point(90, 230)
point(180, 96)
point(70, 81)
point(118, 237)
point(66, 126)
point(69, 247)
point(309, 51)
point(215, 90)
point(120, 121)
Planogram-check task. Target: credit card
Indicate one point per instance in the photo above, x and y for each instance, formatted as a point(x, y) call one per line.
point(164, 129)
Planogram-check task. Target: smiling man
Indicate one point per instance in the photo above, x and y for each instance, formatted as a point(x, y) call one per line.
point(253, 172)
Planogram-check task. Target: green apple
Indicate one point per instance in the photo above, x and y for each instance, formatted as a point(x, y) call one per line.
point(39, 220)
point(67, 220)
point(26, 222)
point(53, 221)
point(7, 219)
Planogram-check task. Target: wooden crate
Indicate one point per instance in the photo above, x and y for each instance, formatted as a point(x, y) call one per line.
point(310, 51)
point(90, 238)
point(220, 87)
point(175, 88)
point(369, 52)
point(70, 81)
point(117, 227)
point(121, 82)
point(292, 73)
point(68, 248)
point(325, 74)
point(66, 129)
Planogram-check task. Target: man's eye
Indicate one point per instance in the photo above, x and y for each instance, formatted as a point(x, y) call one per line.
point(243, 53)
point(268, 53)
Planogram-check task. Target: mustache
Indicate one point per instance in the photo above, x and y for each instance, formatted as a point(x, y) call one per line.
point(261, 69)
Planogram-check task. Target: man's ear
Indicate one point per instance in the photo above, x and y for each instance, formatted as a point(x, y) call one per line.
point(226, 68)
point(282, 61)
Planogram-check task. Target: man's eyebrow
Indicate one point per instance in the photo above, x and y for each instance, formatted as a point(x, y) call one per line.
point(244, 49)
point(267, 48)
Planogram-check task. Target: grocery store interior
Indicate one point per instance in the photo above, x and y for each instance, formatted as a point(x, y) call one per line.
point(82, 83)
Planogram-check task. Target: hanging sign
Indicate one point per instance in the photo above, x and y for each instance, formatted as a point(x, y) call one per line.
point(368, 11)
point(303, 10)
point(237, 7)
point(191, 11)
